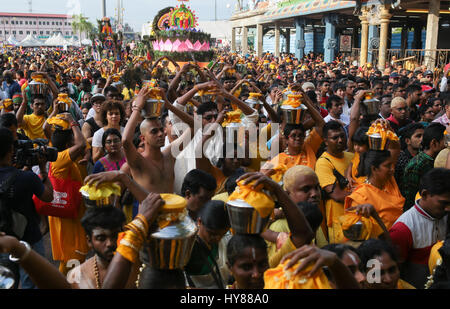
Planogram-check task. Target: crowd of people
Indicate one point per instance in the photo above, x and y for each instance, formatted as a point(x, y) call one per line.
point(324, 174)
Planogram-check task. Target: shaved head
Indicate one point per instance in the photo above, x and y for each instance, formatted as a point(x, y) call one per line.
point(148, 123)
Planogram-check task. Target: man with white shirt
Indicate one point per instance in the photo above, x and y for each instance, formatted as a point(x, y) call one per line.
point(349, 96)
point(419, 228)
point(445, 118)
point(335, 110)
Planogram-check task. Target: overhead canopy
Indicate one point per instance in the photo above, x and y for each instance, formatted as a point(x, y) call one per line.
point(57, 40)
point(31, 41)
point(73, 42)
point(308, 7)
point(12, 40)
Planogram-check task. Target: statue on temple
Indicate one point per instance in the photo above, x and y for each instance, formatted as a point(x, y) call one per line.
point(106, 29)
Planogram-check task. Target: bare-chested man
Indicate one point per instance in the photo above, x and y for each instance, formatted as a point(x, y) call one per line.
point(153, 169)
point(102, 226)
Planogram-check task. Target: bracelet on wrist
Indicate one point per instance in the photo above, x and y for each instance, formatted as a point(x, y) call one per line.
point(24, 256)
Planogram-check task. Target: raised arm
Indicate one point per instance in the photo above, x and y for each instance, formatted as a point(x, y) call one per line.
point(354, 117)
point(171, 92)
point(185, 117)
point(41, 271)
point(273, 116)
point(131, 153)
point(247, 110)
point(121, 266)
point(190, 94)
point(79, 146)
point(319, 122)
point(108, 83)
point(51, 84)
point(22, 108)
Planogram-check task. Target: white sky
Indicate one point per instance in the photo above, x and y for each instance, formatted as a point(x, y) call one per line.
point(136, 12)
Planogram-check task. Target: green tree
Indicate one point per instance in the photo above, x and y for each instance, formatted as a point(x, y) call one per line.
point(81, 25)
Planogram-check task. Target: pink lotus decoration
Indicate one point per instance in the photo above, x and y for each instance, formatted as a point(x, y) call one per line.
point(168, 45)
point(180, 46)
point(189, 45)
point(197, 46)
point(176, 45)
point(205, 46)
point(183, 47)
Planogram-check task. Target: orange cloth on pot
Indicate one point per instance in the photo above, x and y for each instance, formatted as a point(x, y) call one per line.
point(371, 229)
point(294, 100)
point(263, 203)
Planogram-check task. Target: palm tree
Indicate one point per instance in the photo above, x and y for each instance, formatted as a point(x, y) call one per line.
point(81, 25)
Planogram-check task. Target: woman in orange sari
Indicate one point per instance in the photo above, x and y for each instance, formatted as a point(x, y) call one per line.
point(67, 236)
point(380, 189)
point(301, 149)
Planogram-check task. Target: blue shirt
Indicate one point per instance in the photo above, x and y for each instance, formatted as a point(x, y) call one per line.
point(11, 89)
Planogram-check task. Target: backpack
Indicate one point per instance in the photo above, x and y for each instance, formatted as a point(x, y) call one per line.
point(11, 222)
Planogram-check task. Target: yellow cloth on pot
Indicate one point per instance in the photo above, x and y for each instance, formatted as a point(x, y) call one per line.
point(59, 123)
point(173, 210)
point(103, 191)
point(278, 278)
point(294, 100)
point(232, 117)
point(259, 200)
point(254, 95)
point(370, 229)
point(38, 78)
point(64, 97)
point(385, 133)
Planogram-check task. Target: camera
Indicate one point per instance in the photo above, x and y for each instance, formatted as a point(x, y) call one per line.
point(27, 155)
